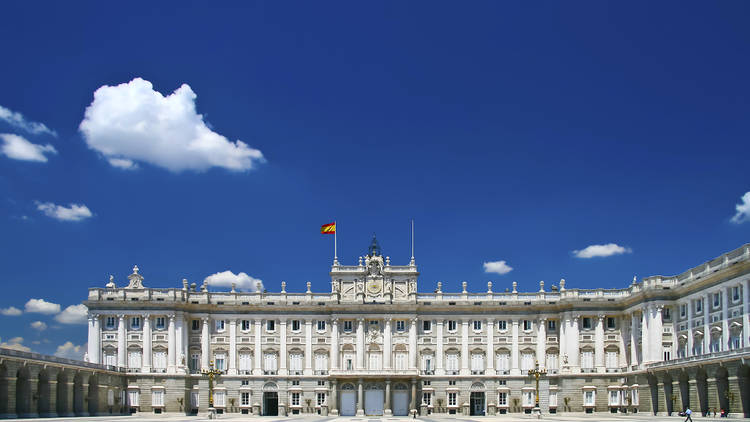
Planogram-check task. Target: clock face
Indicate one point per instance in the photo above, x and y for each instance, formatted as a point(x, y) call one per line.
point(373, 287)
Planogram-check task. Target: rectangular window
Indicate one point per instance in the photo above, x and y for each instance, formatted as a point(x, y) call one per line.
point(667, 313)
point(477, 362)
point(157, 398)
point(295, 325)
point(427, 363)
point(717, 300)
point(683, 311)
point(196, 324)
point(587, 323)
point(349, 361)
point(553, 399)
point(552, 361)
point(735, 293)
point(245, 398)
point(320, 399)
point(134, 359)
point(270, 325)
point(160, 360)
point(699, 305)
point(135, 323)
point(160, 323)
point(195, 362)
point(612, 360)
point(451, 325)
point(321, 363)
point(219, 325)
point(220, 398)
point(552, 325)
point(527, 362)
point(269, 363)
point(477, 325)
point(245, 325)
point(611, 325)
point(528, 398)
point(220, 361)
point(452, 382)
point(400, 325)
point(348, 326)
point(503, 362)
point(400, 361)
point(246, 362)
point(587, 359)
point(527, 325)
point(321, 325)
point(195, 399)
point(502, 399)
point(295, 399)
point(133, 398)
point(426, 326)
point(502, 325)
point(427, 398)
point(634, 397)
point(321, 383)
point(110, 323)
point(110, 359)
point(295, 362)
point(614, 397)
point(588, 398)
point(452, 399)
point(451, 362)
point(295, 382)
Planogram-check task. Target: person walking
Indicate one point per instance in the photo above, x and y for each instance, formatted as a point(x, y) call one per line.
point(688, 412)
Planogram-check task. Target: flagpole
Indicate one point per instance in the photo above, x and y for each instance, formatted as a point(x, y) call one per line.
point(335, 241)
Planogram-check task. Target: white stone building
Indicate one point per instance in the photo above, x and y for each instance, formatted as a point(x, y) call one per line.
point(374, 345)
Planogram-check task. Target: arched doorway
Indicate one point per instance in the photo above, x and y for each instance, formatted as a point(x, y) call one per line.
point(78, 394)
point(400, 399)
point(374, 398)
point(348, 400)
point(653, 387)
point(3, 390)
point(476, 399)
point(61, 398)
point(93, 395)
point(722, 387)
point(43, 393)
point(669, 396)
point(23, 392)
point(743, 379)
point(684, 390)
point(701, 385)
point(270, 399)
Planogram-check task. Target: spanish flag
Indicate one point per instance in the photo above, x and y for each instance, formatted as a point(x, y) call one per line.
point(328, 228)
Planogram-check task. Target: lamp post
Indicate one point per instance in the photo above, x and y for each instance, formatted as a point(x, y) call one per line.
point(537, 373)
point(211, 372)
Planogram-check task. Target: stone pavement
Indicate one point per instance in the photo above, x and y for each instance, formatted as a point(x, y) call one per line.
point(603, 417)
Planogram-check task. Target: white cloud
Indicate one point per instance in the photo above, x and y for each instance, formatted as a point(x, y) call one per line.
point(242, 281)
point(71, 351)
point(594, 251)
point(17, 120)
point(73, 212)
point(11, 311)
point(19, 148)
point(41, 306)
point(132, 122)
point(16, 343)
point(498, 267)
point(73, 314)
point(39, 325)
point(743, 210)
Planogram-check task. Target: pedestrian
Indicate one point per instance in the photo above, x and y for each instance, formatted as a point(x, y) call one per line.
point(688, 412)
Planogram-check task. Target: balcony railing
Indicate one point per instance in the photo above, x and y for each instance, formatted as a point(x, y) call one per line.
point(477, 372)
point(428, 372)
point(708, 356)
point(268, 372)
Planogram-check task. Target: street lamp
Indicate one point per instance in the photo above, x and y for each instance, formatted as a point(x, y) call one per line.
point(211, 372)
point(537, 373)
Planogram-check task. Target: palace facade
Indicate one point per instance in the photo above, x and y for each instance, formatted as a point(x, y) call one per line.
point(375, 345)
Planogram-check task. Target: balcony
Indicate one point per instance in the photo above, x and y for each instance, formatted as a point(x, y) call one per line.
point(588, 370)
point(295, 372)
point(428, 372)
point(245, 372)
point(745, 351)
point(477, 372)
point(321, 372)
point(613, 370)
point(451, 372)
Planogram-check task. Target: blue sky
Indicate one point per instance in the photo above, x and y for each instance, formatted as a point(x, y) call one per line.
point(517, 132)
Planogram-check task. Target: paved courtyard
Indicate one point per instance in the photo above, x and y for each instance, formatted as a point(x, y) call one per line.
point(504, 418)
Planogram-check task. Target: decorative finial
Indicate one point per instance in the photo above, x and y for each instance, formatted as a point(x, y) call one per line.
point(360, 261)
point(440, 287)
point(184, 284)
point(515, 284)
point(541, 285)
point(489, 287)
point(374, 248)
point(463, 286)
point(309, 286)
point(111, 284)
point(635, 280)
point(283, 287)
point(135, 269)
point(562, 284)
point(387, 261)
point(233, 287)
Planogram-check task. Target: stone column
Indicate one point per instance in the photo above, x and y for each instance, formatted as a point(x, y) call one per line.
point(657, 330)
point(282, 347)
point(464, 347)
point(575, 350)
point(360, 399)
point(645, 343)
point(121, 341)
point(599, 344)
point(387, 408)
point(205, 343)
point(147, 349)
point(334, 344)
point(689, 351)
point(563, 341)
point(439, 353)
point(413, 404)
point(746, 314)
point(334, 402)
point(514, 369)
point(490, 346)
point(171, 344)
point(541, 343)
point(95, 338)
point(413, 343)
point(633, 339)
point(258, 352)
point(726, 300)
point(387, 344)
point(707, 325)
point(360, 364)
point(308, 347)
point(232, 347)
point(181, 347)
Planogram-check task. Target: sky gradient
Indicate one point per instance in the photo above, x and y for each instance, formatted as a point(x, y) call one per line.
point(517, 132)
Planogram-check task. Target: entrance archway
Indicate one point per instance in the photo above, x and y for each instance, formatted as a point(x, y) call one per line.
point(78, 394)
point(270, 399)
point(23, 392)
point(43, 393)
point(3, 390)
point(701, 385)
point(400, 399)
point(668, 394)
point(93, 395)
point(653, 387)
point(743, 379)
point(348, 400)
point(722, 387)
point(61, 398)
point(374, 398)
point(476, 400)
point(685, 390)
